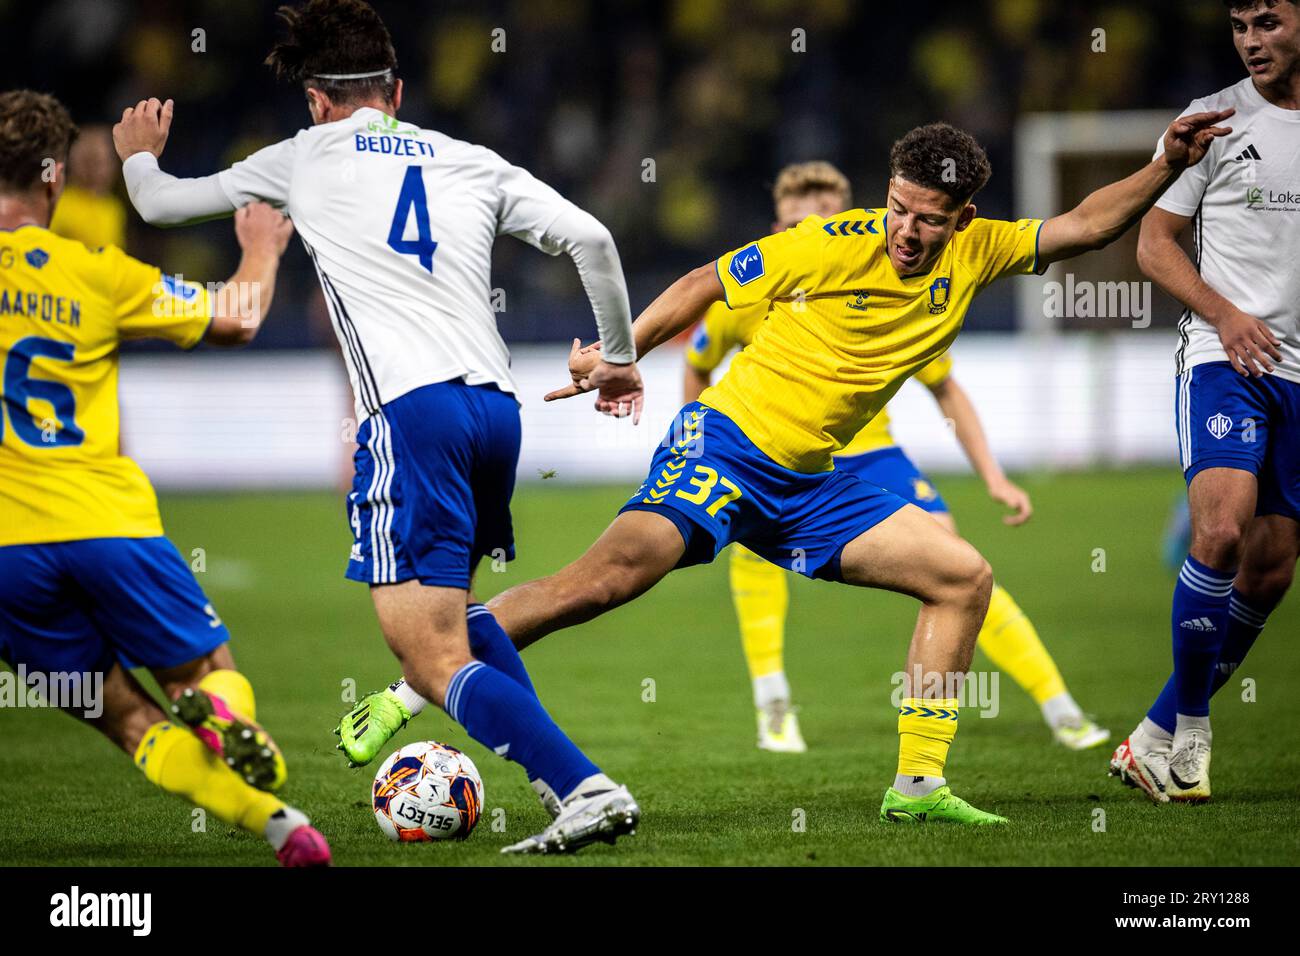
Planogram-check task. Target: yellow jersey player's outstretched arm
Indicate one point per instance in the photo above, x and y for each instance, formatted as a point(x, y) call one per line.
point(1107, 214)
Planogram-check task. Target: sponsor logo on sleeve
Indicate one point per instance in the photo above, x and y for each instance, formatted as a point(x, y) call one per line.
point(747, 264)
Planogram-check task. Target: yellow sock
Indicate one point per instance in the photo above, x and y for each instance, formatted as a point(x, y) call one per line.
point(1012, 644)
point(925, 731)
point(234, 688)
point(178, 762)
point(761, 595)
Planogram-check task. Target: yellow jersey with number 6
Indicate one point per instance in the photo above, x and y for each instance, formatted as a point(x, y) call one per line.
point(63, 312)
point(723, 329)
point(844, 330)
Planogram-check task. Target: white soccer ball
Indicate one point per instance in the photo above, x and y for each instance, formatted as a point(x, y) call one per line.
point(427, 791)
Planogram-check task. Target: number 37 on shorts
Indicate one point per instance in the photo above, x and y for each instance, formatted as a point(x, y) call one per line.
point(681, 477)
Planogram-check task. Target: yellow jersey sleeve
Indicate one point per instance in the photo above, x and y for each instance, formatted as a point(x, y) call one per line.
point(993, 248)
point(783, 265)
point(936, 373)
point(150, 305)
point(721, 330)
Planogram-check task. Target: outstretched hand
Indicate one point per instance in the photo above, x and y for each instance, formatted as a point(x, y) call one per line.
point(619, 387)
point(1188, 138)
point(143, 128)
point(1007, 492)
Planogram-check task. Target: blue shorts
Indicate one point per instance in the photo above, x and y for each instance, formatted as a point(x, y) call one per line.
point(718, 487)
point(78, 606)
point(1229, 420)
point(435, 470)
point(891, 469)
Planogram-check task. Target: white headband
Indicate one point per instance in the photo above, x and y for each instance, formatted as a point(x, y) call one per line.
point(351, 76)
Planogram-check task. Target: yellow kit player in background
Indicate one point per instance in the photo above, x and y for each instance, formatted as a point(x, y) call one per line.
point(89, 587)
point(759, 589)
point(88, 211)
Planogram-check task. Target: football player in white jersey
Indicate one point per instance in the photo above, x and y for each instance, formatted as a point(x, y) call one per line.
point(1238, 391)
point(399, 222)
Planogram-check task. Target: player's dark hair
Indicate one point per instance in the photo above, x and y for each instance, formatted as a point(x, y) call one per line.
point(942, 157)
point(34, 129)
point(1235, 5)
point(334, 37)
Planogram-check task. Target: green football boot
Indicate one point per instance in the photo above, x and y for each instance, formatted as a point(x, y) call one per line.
point(939, 806)
point(369, 725)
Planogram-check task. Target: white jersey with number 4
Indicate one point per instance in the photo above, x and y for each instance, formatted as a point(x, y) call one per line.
point(1244, 197)
point(400, 222)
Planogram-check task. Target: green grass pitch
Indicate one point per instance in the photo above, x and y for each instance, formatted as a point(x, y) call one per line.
point(302, 634)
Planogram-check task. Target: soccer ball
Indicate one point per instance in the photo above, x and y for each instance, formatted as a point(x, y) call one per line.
point(427, 791)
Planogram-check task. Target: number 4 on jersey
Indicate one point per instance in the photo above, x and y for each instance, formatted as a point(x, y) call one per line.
point(413, 197)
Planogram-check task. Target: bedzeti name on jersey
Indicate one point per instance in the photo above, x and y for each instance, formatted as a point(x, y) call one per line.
point(1244, 202)
point(399, 222)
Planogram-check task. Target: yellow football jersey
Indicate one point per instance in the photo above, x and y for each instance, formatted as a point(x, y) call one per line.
point(844, 330)
point(63, 312)
point(90, 218)
point(723, 329)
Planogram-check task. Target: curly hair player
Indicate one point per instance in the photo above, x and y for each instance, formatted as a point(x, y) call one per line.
point(758, 587)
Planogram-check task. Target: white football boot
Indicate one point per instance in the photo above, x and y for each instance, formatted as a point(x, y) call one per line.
point(1143, 763)
point(778, 729)
point(588, 816)
point(1189, 767)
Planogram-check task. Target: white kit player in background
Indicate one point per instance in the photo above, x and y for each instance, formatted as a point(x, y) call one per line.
point(1237, 400)
point(400, 223)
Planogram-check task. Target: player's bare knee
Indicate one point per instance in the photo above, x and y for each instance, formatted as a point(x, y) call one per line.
point(969, 578)
point(1219, 542)
point(430, 673)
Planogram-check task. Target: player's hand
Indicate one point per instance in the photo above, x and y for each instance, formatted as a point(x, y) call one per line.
point(582, 362)
point(262, 229)
point(1248, 342)
point(1189, 137)
point(1007, 492)
point(621, 390)
point(143, 128)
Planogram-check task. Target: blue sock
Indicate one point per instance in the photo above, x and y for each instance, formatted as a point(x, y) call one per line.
point(490, 644)
point(1245, 621)
point(1200, 626)
point(507, 719)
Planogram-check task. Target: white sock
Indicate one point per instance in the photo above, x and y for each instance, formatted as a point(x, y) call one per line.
point(596, 783)
point(544, 793)
point(910, 786)
point(770, 687)
point(1152, 734)
point(413, 701)
point(282, 823)
point(1062, 711)
point(1186, 723)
